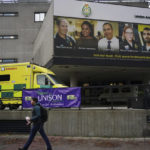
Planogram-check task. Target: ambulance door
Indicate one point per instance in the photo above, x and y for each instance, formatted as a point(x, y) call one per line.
point(41, 81)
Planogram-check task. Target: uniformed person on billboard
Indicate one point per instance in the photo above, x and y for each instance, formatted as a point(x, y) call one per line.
point(87, 39)
point(61, 39)
point(146, 38)
point(109, 42)
point(128, 40)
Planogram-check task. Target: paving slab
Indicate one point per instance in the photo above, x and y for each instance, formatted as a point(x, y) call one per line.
point(12, 142)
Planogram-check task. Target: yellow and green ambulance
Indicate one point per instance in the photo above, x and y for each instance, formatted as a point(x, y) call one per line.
point(18, 76)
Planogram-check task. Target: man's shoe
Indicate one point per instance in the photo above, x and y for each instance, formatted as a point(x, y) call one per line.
point(20, 149)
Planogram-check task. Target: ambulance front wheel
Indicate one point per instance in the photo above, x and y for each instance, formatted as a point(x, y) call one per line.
point(13, 106)
point(2, 106)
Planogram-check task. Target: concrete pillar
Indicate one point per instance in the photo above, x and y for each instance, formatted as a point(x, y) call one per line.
point(73, 80)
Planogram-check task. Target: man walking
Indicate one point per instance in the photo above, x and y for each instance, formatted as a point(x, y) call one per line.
point(37, 126)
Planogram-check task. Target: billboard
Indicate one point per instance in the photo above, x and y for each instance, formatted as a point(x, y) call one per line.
point(103, 39)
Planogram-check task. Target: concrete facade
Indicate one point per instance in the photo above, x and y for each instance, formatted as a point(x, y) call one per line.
point(90, 122)
point(43, 45)
point(22, 25)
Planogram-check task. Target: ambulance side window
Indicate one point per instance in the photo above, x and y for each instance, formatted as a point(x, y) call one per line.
point(43, 80)
point(4, 77)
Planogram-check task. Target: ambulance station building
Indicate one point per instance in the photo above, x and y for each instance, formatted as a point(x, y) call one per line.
point(95, 43)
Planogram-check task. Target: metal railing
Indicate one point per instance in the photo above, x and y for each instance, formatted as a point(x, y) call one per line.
point(128, 96)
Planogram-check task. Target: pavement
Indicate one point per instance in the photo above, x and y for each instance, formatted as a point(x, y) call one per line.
point(12, 142)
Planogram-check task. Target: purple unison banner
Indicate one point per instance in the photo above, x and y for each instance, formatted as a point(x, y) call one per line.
point(54, 97)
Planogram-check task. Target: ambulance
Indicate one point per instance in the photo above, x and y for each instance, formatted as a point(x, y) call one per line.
point(18, 76)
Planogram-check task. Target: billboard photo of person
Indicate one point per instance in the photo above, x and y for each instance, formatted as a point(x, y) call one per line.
point(109, 42)
point(146, 39)
point(128, 39)
point(87, 39)
point(62, 39)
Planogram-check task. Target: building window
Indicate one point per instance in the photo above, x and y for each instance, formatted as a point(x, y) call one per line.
point(8, 60)
point(8, 1)
point(7, 37)
point(8, 14)
point(39, 16)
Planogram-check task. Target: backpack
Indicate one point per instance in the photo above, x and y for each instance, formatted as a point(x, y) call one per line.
point(44, 114)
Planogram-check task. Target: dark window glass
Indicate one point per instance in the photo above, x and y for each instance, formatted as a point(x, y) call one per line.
point(115, 90)
point(4, 77)
point(8, 60)
point(106, 90)
point(126, 90)
point(8, 14)
point(8, 37)
point(101, 90)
